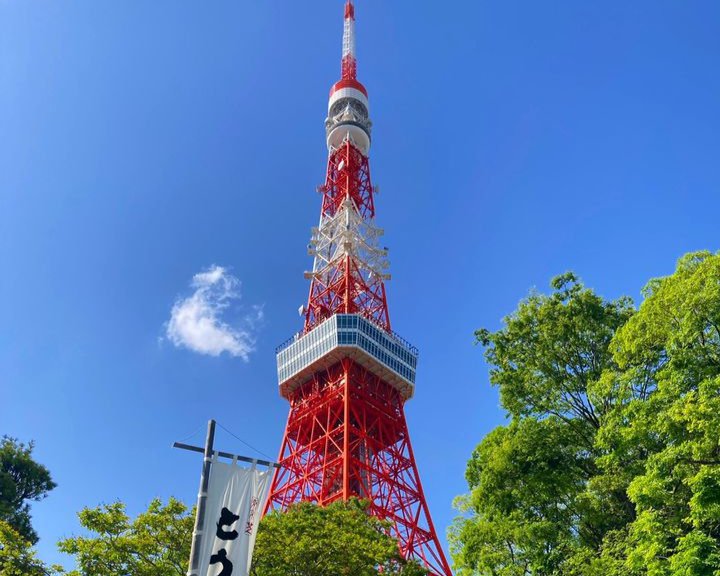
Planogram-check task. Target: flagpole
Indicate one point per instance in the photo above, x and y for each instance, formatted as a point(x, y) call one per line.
point(202, 501)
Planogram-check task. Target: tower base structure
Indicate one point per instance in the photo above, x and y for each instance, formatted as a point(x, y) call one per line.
point(346, 437)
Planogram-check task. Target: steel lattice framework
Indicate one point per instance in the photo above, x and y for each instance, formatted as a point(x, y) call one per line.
point(350, 268)
point(347, 375)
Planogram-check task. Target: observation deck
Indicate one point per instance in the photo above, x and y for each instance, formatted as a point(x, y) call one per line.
point(385, 354)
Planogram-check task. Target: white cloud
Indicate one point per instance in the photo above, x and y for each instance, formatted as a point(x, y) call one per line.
point(196, 322)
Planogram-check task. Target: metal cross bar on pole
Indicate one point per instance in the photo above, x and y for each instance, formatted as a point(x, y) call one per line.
point(227, 455)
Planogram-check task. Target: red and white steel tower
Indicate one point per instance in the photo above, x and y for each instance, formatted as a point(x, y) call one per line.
point(346, 374)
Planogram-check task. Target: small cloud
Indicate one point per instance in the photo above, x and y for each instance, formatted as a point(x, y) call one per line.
point(196, 322)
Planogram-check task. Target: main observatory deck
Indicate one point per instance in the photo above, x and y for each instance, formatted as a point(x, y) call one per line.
point(385, 354)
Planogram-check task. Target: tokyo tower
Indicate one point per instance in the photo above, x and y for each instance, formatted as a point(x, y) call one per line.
point(347, 375)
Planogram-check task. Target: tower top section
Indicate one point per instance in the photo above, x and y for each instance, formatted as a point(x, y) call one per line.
point(349, 64)
point(348, 106)
point(348, 67)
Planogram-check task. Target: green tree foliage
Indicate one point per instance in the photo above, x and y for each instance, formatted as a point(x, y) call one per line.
point(339, 539)
point(17, 557)
point(157, 542)
point(672, 348)
point(529, 506)
point(22, 480)
point(610, 463)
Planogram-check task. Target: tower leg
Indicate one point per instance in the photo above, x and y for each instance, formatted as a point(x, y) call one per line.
point(346, 437)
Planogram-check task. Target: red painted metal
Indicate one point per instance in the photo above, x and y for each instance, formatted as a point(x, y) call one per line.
point(348, 83)
point(346, 434)
point(349, 67)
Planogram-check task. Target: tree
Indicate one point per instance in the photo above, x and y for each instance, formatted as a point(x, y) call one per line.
point(22, 480)
point(17, 557)
point(529, 510)
point(671, 347)
point(157, 542)
point(610, 464)
point(306, 541)
point(335, 540)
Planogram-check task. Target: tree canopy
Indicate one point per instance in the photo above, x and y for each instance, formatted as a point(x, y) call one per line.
point(22, 480)
point(307, 540)
point(671, 350)
point(335, 540)
point(156, 542)
point(610, 461)
point(17, 558)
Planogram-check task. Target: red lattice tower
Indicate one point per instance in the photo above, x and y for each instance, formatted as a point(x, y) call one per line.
point(347, 375)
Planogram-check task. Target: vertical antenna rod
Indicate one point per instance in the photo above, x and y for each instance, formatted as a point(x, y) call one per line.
point(349, 64)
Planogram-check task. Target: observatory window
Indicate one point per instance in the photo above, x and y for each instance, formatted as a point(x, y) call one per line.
point(356, 106)
point(348, 330)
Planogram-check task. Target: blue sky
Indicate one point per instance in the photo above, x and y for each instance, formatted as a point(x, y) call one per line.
point(143, 143)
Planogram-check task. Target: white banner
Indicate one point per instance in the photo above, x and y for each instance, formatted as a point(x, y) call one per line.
point(235, 501)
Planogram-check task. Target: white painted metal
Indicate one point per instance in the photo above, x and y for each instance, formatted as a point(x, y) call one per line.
point(357, 136)
point(348, 233)
point(348, 118)
point(349, 38)
point(348, 93)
